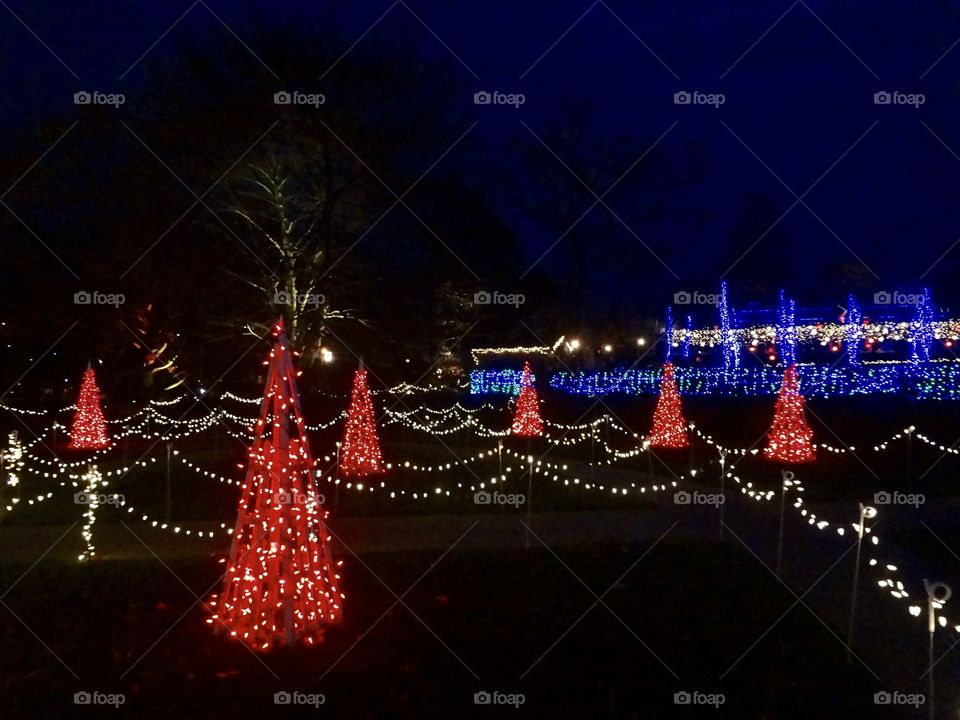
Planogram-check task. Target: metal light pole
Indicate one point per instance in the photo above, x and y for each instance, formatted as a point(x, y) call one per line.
point(787, 477)
point(169, 451)
point(723, 474)
point(866, 513)
point(529, 499)
point(934, 601)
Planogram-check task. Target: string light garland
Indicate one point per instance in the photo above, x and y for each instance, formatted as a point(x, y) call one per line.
point(669, 426)
point(786, 330)
point(526, 418)
point(360, 453)
point(922, 335)
point(89, 496)
point(89, 431)
point(789, 439)
point(281, 585)
point(731, 349)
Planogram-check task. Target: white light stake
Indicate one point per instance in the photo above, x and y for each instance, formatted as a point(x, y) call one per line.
point(937, 595)
point(787, 477)
point(866, 513)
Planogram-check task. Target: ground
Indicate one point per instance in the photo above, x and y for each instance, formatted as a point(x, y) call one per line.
point(606, 607)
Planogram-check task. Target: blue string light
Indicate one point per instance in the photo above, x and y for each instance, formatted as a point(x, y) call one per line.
point(731, 356)
point(787, 330)
point(853, 333)
point(668, 334)
point(922, 329)
point(685, 348)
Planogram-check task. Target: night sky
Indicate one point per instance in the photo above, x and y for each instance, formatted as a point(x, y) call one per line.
point(797, 180)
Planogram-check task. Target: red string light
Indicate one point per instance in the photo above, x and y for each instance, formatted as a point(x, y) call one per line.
point(89, 430)
point(669, 426)
point(790, 438)
point(360, 452)
point(526, 418)
point(281, 584)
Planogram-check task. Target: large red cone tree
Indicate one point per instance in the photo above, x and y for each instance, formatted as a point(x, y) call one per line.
point(669, 426)
point(790, 439)
point(281, 585)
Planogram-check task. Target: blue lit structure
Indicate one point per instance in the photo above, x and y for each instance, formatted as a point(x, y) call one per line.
point(853, 332)
point(787, 330)
point(731, 351)
point(927, 381)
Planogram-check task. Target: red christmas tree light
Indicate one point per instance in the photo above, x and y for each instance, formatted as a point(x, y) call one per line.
point(360, 452)
point(526, 418)
point(669, 426)
point(89, 430)
point(281, 584)
point(790, 438)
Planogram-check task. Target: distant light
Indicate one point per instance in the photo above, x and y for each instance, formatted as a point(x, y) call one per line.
point(574, 344)
point(771, 357)
point(608, 348)
point(641, 341)
point(201, 391)
point(407, 360)
point(327, 356)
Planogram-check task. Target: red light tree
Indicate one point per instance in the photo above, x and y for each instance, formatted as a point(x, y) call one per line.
point(790, 438)
point(360, 452)
point(89, 430)
point(526, 417)
point(669, 426)
point(281, 584)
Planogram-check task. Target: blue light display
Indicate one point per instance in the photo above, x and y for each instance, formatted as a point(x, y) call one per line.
point(922, 329)
point(731, 354)
point(928, 381)
point(668, 334)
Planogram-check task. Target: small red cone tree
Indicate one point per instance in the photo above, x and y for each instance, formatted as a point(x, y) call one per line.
point(281, 585)
point(669, 426)
point(89, 430)
point(360, 452)
point(790, 438)
point(526, 418)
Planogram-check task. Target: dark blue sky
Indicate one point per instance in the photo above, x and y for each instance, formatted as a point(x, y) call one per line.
point(798, 79)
